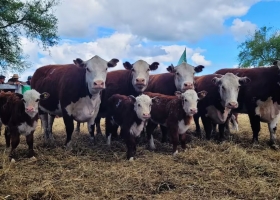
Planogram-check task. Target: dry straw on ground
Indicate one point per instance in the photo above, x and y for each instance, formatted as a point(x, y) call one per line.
point(207, 170)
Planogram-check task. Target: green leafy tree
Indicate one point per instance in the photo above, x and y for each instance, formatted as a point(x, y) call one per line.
point(260, 49)
point(33, 19)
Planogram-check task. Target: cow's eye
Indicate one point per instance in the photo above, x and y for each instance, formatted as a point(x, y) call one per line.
point(88, 70)
point(106, 68)
point(186, 100)
point(37, 100)
point(177, 73)
point(23, 100)
point(223, 87)
point(139, 105)
point(133, 70)
point(148, 70)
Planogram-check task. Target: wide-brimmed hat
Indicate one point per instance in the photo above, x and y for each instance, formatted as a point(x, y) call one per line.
point(2, 77)
point(15, 76)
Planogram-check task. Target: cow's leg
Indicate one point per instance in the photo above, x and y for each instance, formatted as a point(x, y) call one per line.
point(272, 126)
point(69, 126)
point(131, 145)
point(91, 125)
point(164, 133)
point(214, 127)
point(183, 141)
point(97, 124)
point(7, 137)
point(44, 123)
point(174, 138)
point(77, 130)
point(207, 126)
point(111, 128)
point(197, 126)
point(150, 131)
point(50, 125)
point(256, 126)
point(114, 134)
point(14, 143)
point(222, 131)
point(234, 122)
point(0, 126)
point(30, 142)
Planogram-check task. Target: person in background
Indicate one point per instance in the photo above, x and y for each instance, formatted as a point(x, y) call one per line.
point(29, 80)
point(14, 80)
point(2, 79)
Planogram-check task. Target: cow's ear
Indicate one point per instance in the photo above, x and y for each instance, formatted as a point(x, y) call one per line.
point(202, 94)
point(198, 68)
point(44, 96)
point(216, 80)
point(154, 66)
point(244, 80)
point(277, 63)
point(171, 69)
point(79, 62)
point(20, 96)
point(127, 65)
point(132, 98)
point(155, 99)
point(178, 94)
point(113, 62)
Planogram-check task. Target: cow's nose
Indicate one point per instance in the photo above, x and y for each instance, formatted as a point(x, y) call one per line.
point(98, 83)
point(188, 85)
point(193, 110)
point(233, 104)
point(146, 115)
point(29, 109)
point(140, 80)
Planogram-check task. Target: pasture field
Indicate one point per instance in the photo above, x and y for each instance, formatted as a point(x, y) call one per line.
point(234, 169)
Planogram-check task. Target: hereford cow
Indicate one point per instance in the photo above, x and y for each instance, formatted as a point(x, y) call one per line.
point(175, 113)
point(222, 97)
point(260, 99)
point(74, 92)
point(20, 114)
point(179, 78)
point(132, 81)
point(131, 114)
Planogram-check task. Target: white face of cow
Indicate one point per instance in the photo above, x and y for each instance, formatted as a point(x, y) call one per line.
point(96, 72)
point(229, 85)
point(140, 73)
point(31, 100)
point(142, 106)
point(190, 99)
point(184, 75)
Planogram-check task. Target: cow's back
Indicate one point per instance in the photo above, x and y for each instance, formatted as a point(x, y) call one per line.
point(162, 83)
point(64, 83)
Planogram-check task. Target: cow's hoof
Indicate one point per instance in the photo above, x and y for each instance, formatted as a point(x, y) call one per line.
point(33, 158)
point(275, 146)
point(175, 153)
point(69, 146)
point(131, 159)
point(109, 140)
point(13, 161)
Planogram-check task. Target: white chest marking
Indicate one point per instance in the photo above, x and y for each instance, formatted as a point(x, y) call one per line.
point(267, 110)
point(84, 109)
point(182, 127)
point(25, 129)
point(216, 115)
point(136, 129)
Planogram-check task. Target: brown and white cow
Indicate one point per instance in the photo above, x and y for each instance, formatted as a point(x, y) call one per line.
point(175, 113)
point(132, 81)
point(20, 114)
point(222, 97)
point(260, 99)
point(179, 78)
point(74, 92)
point(131, 114)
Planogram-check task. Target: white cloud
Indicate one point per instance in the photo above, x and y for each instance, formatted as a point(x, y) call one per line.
point(241, 28)
point(156, 20)
point(119, 45)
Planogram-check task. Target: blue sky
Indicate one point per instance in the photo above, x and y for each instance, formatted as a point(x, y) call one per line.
point(154, 31)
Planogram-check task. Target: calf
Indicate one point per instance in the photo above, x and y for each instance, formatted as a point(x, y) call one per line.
point(130, 114)
point(222, 97)
point(20, 114)
point(175, 113)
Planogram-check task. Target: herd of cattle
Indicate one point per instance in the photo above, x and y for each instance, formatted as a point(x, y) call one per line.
point(136, 101)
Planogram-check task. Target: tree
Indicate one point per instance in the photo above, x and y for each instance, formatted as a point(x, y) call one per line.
point(32, 19)
point(260, 49)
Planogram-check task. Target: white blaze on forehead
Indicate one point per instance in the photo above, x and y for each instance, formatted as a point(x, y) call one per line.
point(189, 99)
point(142, 105)
point(229, 88)
point(96, 70)
point(184, 74)
point(31, 100)
point(140, 71)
